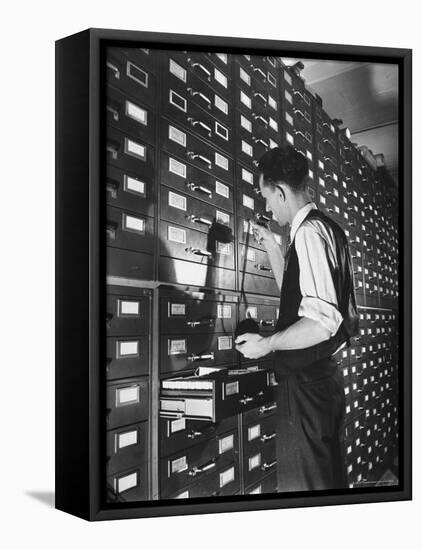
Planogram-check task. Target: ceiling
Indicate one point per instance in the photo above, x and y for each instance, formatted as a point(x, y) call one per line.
point(364, 96)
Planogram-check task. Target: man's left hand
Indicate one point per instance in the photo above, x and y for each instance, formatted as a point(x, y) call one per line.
point(252, 346)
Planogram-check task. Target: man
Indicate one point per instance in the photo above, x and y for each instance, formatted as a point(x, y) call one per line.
point(317, 316)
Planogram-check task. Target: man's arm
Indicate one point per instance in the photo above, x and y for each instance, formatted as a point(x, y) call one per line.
point(302, 334)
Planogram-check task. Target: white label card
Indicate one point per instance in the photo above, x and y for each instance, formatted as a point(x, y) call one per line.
point(226, 477)
point(289, 119)
point(222, 217)
point(221, 161)
point(290, 138)
point(246, 100)
point(225, 444)
point(254, 461)
point(124, 396)
point(252, 312)
point(177, 135)
point(224, 343)
point(176, 234)
point(177, 201)
point(177, 425)
point(220, 78)
point(125, 349)
point(224, 311)
point(179, 465)
point(246, 123)
point(272, 102)
point(125, 483)
point(248, 202)
point(247, 148)
point(231, 388)
point(247, 176)
point(254, 432)
point(126, 439)
point(177, 70)
point(135, 149)
point(133, 185)
point(177, 168)
point(135, 112)
point(128, 307)
point(222, 189)
point(133, 224)
point(222, 105)
point(273, 123)
point(244, 76)
point(176, 347)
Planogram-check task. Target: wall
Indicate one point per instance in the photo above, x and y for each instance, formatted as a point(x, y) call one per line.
point(27, 239)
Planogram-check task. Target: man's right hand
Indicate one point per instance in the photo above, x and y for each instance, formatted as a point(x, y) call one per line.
point(263, 236)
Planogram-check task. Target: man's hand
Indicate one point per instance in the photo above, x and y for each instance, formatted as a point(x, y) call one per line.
point(263, 236)
point(253, 346)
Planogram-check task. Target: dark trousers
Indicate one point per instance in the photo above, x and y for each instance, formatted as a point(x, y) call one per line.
point(310, 422)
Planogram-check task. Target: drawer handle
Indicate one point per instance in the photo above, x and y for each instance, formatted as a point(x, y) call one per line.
point(260, 71)
point(195, 470)
point(109, 318)
point(262, 267)
point(198, 252)
point(195, 156)
point(114, 69)
point(200, 188)
point(269, 323)
point(193, 357)
point(193, 324)
point(296, 92)
point(193, 434)
point(246, 400)
point(299, 112)
point(260, 96)
point(260, 118)
point(299, 133)
point(257, 191)
point(111, 229)
point(201, 67)
point(112, 186)
point(267, 408)
point(197, 219)
point(267, 466)
point(266, 437)
point(113, 150)
point(261, 141)
point(114, 112)
point(194, 123)
point(195, 93)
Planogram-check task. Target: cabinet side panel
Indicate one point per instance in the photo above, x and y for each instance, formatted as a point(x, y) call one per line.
point(72, 274)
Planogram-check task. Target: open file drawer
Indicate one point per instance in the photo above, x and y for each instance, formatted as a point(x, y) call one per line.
point(215, 395)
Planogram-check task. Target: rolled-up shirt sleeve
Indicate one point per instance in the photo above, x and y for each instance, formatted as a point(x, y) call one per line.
point(319, 298)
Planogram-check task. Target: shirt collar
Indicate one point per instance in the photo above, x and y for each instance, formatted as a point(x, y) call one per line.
point(299, 217)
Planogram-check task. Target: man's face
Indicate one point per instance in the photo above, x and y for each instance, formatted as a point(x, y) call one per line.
point(274, 201)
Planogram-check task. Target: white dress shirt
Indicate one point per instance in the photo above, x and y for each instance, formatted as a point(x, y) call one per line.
point(315, 249)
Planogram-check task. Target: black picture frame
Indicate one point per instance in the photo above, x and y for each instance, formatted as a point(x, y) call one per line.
point(80, 269)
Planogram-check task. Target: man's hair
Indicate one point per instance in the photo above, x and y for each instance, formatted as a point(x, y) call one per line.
point(284, 164)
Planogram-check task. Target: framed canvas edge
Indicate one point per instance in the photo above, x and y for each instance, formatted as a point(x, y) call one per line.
point(161, 508)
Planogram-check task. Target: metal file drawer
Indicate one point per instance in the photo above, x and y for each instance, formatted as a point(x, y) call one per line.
point(181, 315)
point(190, 149)
point(266, 314)
point(259, 434)
point(127, 315)
point(183, 64)
point(130, 116)
point(249, 203)
point(194, 246)
point(127, 448)
point(266, 485)
point(128, 486)
point(257, 463)
point(179, 470)
point(187, 351)
point(178, 106)
point(254, 127)
point(128, 153)
point(173, 270)
point(259, 102)
point(129, 230)
point(127, 356)
point(259, 413)
point(191, 212)
point(255, 262)
point(129, 264)
point(179, 434)
point(131, 72)
point(127, 402)
point(219, 483)
point(127, 190)
point(195, 182)
point(256, 284)
point(222, 60)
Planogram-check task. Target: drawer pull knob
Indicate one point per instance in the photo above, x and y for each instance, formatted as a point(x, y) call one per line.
point(206, 356)
point(299, 94)
point(260, 118)
point(193, 434)
point(195, 156)
point(269, 323)
point(260, 72)
point(262, 267)
point(195, 93)
point(267, 466)
point(200, 188)
point(197, 219)
point(246, 400)
point(195, 470)
point(114, 69)
point(194, 123)
point(201, 67)
point(198, 252)
point(269, 437)
point(267, 408)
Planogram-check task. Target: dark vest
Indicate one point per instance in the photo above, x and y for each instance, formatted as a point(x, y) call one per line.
point(290, 361)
